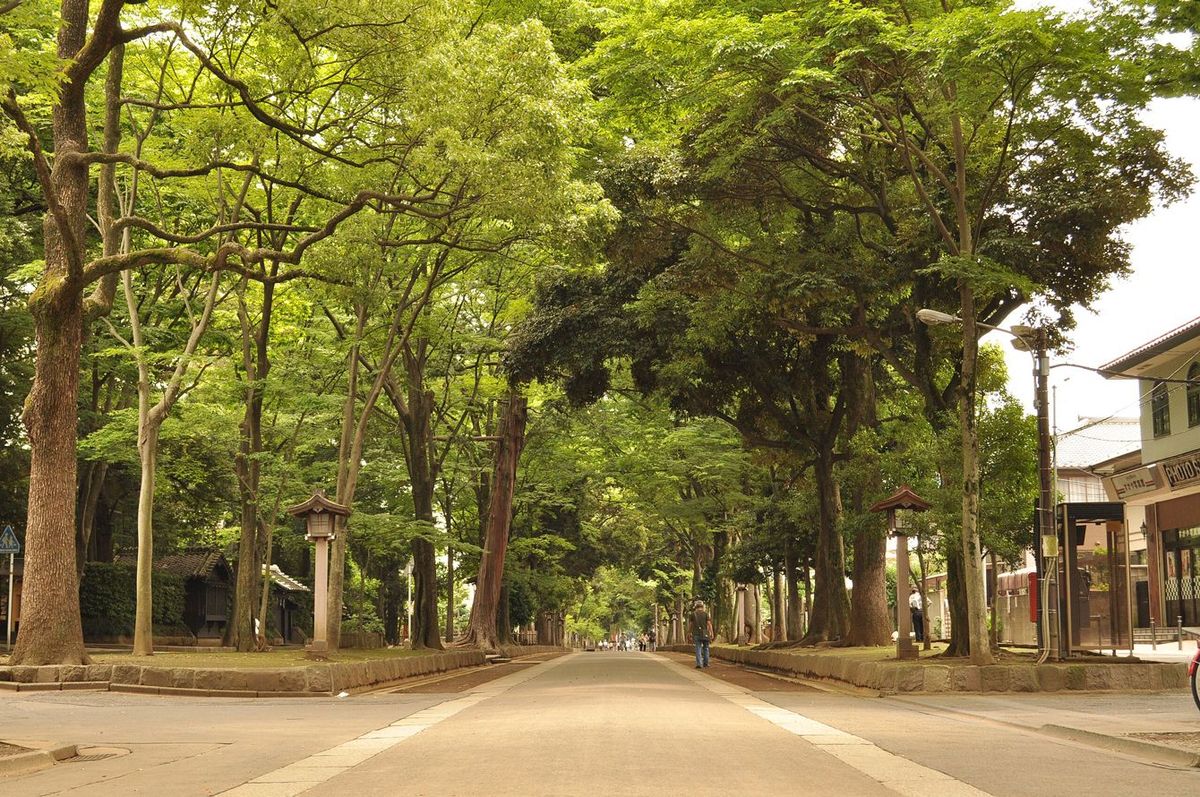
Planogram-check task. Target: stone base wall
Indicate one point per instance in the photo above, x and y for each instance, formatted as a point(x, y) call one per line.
point(517, 651)
point(312, 679)
point(908, 678)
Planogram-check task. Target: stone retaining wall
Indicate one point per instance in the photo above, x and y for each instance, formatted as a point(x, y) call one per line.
point(307, 680)
point(310, 680)
point(517, 651)
point(932, 677)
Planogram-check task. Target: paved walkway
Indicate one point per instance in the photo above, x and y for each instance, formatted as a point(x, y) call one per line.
point(633, 723)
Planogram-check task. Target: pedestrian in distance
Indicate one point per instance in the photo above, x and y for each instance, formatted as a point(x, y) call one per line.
point(918, 616)
point(702, 632)
point(652, 640)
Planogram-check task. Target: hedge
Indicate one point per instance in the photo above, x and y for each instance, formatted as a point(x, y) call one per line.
point(108, 599)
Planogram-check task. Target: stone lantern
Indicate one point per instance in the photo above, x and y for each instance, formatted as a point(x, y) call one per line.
point(899, 507)
point(320, 517)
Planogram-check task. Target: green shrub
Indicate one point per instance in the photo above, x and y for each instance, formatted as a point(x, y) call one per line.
point(108, 599)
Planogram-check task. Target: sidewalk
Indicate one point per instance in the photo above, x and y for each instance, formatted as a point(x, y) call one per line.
point(1166, 651)
point(1162, 727)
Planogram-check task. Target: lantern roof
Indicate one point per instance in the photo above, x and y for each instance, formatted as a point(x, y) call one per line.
point(316, 504)
point(904, 498)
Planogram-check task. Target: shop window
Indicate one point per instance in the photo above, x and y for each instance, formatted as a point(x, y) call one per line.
point(1160, 410)
point(1193, 395)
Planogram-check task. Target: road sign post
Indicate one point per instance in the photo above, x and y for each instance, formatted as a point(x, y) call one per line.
point(9, 544)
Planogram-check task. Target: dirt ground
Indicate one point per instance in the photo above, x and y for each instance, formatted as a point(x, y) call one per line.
point(1189, 741)
point(472, 677)
point(739, 676)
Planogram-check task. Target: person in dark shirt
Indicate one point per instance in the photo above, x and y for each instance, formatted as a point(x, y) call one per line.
point(702, 632)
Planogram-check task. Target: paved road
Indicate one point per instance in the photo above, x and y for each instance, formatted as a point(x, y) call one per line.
point(630, 723)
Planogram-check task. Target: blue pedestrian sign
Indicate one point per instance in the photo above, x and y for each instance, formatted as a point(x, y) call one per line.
point(9, 544)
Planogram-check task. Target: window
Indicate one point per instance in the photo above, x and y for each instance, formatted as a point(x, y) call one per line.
point(1160, 410)
point(1193, 395)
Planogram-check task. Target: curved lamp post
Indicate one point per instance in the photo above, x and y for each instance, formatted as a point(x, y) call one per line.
point(320, 515)
point(899, 507)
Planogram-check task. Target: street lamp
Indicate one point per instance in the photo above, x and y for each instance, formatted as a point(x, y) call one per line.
point(319, 514)
point(1035, 342)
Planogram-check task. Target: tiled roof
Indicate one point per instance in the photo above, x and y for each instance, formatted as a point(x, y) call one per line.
point(1157, 346)
point(1097, 441)
point(191, 562)
point(285, 581)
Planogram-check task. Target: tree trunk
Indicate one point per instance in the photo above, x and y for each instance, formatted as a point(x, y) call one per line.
point(792, 574)
point(425, 631)
point(51, 632)
point(91, 487)
point(927, 620)
point(979, 651)
point(993, 630)
point(264, 603)
point(504, 616)
point(831, 606)
point(143, 624)
point(449, 589)
point(722, 608)
point(870, 618)
point(257, 365)
point(960, 643)
point(779, 625)
point(511, 439)
point(757, 614)
point(805, 574)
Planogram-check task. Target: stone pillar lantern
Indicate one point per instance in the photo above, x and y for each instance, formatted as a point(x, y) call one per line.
point(320, 516)
point(900, 507)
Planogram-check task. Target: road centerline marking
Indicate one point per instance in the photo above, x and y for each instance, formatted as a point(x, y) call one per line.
point(893, 772)
point(300, 776)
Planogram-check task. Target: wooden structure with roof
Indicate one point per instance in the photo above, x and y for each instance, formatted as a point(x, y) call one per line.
point(208, 582)
point(287, 604)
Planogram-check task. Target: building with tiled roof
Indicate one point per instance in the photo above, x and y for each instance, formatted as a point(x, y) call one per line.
point(1078, 450)
point(1160, 488)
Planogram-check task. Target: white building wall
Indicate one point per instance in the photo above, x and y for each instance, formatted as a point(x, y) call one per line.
point(1182, 439)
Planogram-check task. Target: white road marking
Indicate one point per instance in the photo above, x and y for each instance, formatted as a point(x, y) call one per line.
point(302, 775)
point(892, 771)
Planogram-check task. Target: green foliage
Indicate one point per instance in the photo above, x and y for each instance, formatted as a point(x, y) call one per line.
point(108, 600)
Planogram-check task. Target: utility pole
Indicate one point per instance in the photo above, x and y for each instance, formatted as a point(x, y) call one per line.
point(1047, 533)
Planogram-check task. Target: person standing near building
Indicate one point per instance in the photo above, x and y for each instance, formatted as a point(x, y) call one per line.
point(918, 616)
point(702, 632)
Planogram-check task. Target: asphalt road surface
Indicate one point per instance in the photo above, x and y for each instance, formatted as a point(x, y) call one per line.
point(585, 723)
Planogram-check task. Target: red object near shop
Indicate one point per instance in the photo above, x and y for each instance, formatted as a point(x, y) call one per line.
point(1033, 597)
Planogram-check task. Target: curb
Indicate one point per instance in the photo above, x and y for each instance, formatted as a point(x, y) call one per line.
point(55, 686)
point(1135, 747)
point(36, 760)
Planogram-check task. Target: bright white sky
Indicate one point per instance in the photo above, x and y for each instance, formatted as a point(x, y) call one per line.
point(1160, 295)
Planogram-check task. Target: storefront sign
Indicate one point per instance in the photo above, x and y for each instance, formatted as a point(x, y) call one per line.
point(1123, 486)
point(1182, 471)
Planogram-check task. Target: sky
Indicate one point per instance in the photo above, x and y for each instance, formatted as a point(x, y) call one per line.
point(1160, 295)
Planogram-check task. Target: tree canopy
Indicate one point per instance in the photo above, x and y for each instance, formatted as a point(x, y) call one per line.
point(588, 307)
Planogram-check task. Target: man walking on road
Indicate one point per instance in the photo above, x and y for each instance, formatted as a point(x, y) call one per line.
point(702, 632)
